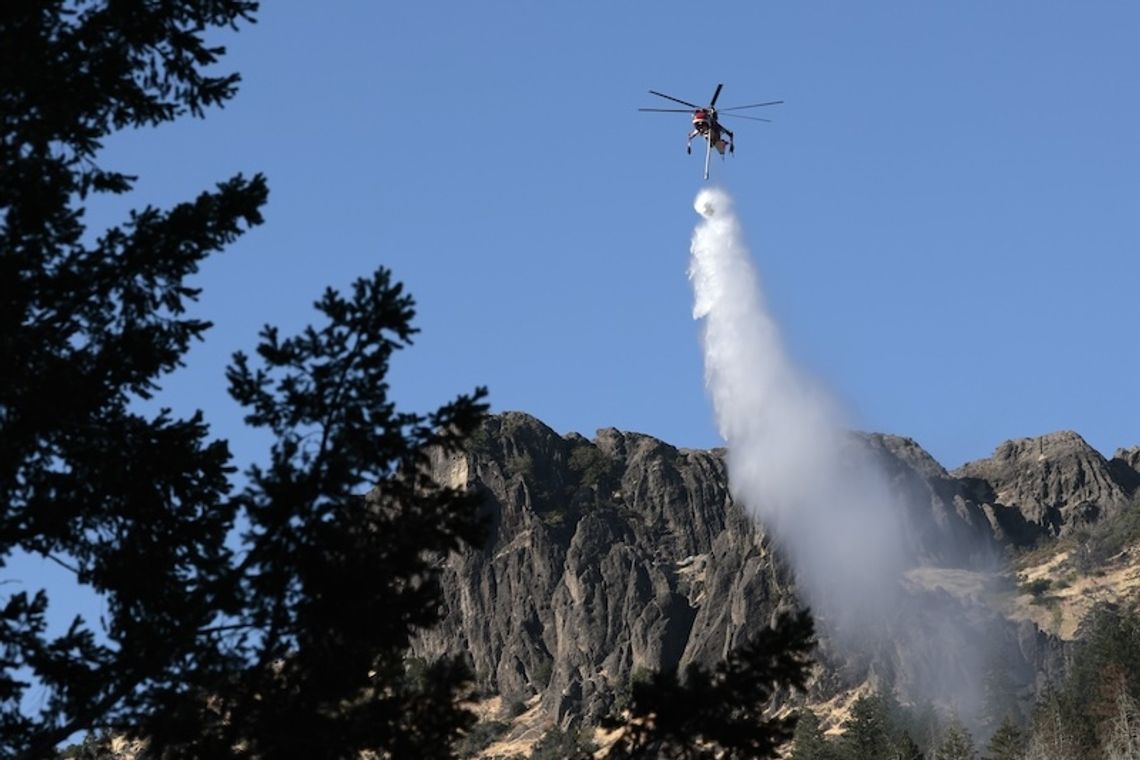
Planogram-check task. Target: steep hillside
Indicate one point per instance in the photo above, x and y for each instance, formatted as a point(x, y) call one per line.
point(610, 557)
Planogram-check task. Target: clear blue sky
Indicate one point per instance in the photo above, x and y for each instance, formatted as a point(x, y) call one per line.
point(945, 213)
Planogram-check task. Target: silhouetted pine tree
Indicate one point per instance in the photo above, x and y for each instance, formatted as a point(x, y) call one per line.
point(292, 644)
point(135, 507)
point(333, 586)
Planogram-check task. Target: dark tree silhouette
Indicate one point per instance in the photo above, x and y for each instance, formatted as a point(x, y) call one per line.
point(723, 713)
point(333, 585)
point(294, 633)
point(85, 328)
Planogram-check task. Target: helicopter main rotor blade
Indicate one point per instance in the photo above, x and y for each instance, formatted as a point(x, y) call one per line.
point(754, 105)
point(675, 100)
point(712, 103)
point(666, 110)
point(742, 116)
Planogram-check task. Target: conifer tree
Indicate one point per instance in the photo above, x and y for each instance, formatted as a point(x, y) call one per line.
point(867, 732)
point(923, 724)
point(904, 747)
point(1052, 736)
point(1118, 714)
point(809, 742)
point(1007, 742)
point(956, 744)
point(291, 643)
point(1109, 635)
point(134, 507)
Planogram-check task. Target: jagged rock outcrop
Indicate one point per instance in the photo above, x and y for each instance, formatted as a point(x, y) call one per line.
point(599, 559)
point(1055, 482)
point(608, 557)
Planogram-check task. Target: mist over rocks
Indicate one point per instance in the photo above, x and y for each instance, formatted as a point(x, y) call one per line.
point(942, 524)
point(610, 557)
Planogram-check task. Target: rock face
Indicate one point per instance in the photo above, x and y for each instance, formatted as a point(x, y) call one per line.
point(599, 559)
point(942, 522)
point(608, 557)
point(1055, 483)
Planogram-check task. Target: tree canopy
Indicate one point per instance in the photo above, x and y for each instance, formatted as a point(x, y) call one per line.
point(212, 643)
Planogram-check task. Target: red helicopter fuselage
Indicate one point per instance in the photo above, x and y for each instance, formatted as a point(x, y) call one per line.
point(706, 123)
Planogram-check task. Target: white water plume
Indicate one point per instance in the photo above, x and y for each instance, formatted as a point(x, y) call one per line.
point(789, 460)
point(823, 495)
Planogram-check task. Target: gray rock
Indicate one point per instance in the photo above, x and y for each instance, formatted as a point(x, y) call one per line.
point(1057, 482)
point(608, 557)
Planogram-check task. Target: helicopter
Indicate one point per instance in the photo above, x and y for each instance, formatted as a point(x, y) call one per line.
point(706, 122)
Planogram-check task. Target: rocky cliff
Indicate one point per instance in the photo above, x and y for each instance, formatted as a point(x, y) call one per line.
point(600, 559)
point(1056, 483)
point(612, 556)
